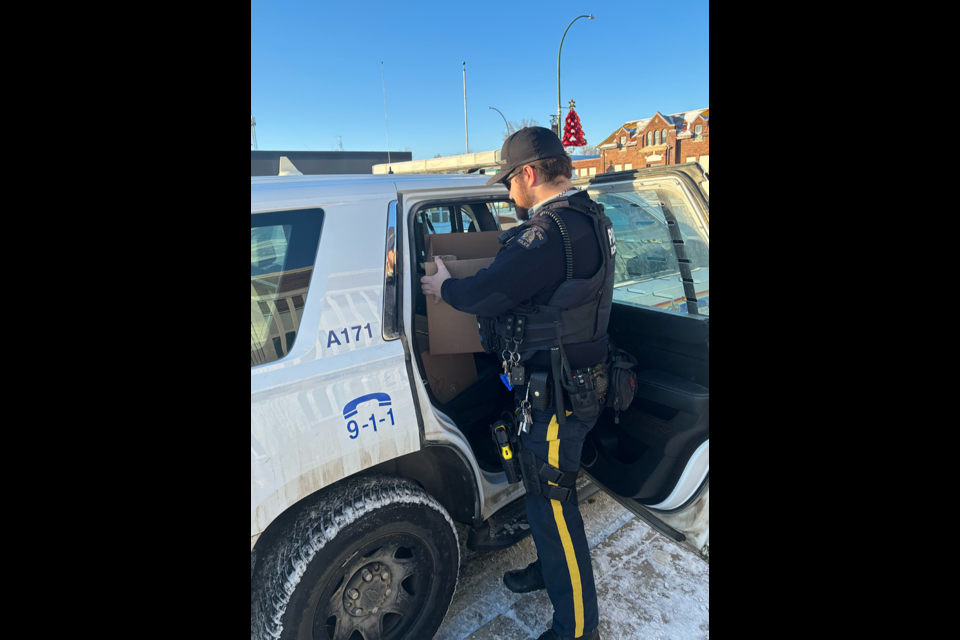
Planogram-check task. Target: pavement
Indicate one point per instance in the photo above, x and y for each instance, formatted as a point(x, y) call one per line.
point(647, 586)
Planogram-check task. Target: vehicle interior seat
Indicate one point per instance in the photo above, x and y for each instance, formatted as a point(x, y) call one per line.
point(482, 213)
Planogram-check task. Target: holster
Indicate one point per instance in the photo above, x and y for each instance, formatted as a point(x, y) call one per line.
point(539, 382)
point(488, 337)
point(536, 475)
point(584, 387)
point(507, 446)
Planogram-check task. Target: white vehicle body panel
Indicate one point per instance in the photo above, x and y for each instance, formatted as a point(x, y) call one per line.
point(299, 440)
point(692, 477)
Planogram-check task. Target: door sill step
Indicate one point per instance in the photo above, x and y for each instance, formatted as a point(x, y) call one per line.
point(641, 512)
point(509, 526)
point(505, 528)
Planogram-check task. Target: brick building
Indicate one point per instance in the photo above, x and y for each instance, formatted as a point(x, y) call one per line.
point(653, 142)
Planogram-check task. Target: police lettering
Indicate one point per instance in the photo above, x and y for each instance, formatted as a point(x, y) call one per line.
point(532, 238)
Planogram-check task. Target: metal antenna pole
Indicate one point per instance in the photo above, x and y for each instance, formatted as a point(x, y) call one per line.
point(341, 142)
point(385, 110)
point(466, 130)
point(253, 127)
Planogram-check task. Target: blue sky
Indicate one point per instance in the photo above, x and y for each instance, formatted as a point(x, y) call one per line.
point(315, 69)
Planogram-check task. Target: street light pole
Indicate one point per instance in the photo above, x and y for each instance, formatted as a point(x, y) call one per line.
point(466, 130)
point(504, 118)
point(385, 121)
point(559, 114)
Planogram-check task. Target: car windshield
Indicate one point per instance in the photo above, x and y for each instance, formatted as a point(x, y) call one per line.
point(647, 266)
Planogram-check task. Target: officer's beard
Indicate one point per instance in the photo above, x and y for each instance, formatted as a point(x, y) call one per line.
point(524, 200)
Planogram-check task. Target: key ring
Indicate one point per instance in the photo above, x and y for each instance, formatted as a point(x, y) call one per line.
point(525, 403)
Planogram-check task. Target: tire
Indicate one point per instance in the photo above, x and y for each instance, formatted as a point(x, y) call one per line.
point(376, 554)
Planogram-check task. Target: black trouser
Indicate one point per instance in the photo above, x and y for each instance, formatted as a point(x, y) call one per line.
point(557, 527)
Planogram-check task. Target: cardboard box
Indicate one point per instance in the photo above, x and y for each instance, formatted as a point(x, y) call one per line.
point(466, 246)
point(448, 375)
point(453, 331)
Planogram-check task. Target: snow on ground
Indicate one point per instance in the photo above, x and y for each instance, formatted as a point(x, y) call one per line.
point(647, 586)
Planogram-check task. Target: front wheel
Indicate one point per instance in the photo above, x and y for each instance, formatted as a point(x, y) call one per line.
point(375, 558)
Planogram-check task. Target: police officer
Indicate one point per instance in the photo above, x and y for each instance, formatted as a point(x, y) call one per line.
point(556, 273)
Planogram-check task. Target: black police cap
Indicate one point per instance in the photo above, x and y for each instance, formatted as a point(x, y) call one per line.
point(525, 146)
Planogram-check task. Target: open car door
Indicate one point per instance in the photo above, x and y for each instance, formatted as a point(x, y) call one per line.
point(654, 458)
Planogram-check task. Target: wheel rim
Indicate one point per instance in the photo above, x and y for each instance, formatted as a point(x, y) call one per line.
point(379, 592)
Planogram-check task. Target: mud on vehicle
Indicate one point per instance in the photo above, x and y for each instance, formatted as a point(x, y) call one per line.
point(365, 452)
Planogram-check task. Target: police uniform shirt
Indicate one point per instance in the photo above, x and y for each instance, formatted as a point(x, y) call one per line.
point(530, 270)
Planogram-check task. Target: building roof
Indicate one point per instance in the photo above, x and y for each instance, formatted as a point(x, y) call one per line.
point(676, 119)
point(632, 127)
point(690, 116)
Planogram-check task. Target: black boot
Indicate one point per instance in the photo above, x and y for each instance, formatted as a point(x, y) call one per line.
point(525, 580)
point(550, 634)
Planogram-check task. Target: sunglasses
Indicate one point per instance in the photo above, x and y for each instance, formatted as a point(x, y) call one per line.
point(513, 174)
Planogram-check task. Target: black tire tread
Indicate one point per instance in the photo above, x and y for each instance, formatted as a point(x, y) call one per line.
point(321, 517)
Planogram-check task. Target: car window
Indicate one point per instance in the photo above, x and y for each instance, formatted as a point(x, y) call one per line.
point(647, 265)
point(283, 249)
point(429, 222)
point(505, 214)
point(460, 218)
point(436, 220)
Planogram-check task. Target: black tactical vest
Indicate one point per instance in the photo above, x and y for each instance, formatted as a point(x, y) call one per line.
point(578, 312)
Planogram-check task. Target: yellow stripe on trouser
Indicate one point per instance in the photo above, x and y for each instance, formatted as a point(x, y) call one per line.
point(554, 439)
point(554, 460)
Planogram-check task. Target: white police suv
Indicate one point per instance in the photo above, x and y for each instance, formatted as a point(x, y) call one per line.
point(358, 470)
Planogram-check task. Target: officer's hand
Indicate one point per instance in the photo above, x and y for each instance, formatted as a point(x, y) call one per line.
point(430, 285)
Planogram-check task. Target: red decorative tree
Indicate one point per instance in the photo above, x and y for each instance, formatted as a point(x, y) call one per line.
point(572, 131)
